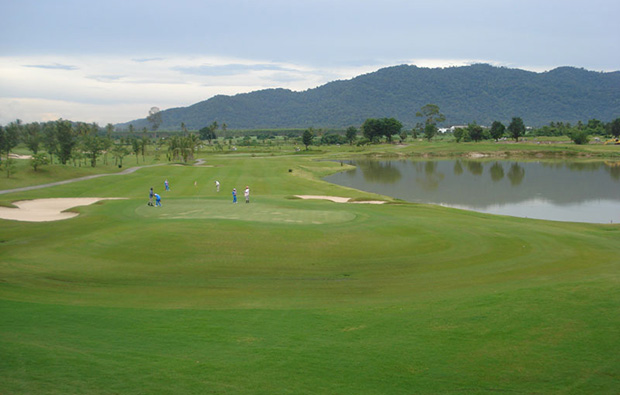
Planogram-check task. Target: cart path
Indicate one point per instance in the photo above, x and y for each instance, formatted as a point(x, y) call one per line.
point(63, 182)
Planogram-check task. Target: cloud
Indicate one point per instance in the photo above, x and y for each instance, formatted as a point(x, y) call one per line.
point(228, 69)
point(55, 66)
point(117, 89)
point(144, 60)
point(106, 78)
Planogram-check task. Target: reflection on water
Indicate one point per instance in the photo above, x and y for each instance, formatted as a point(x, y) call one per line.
point(565, 191)
point(516, 174)
point(431, 178)
point(474, 167)
point(497, 172)
point(379, 172)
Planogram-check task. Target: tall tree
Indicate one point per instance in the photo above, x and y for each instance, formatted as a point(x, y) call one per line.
point(614, 128)
point(119, 152)
point(154, 118)
point(144, 142)
point(475, 131)
point(10, 137)
point(193, 142)
point(391, 127)
point(307, 137)
point(351, 134)
point(109, 129)
point(595, 126)
point(516, 128)
point(50, 140)
point(31, 136)
point(93, 147)
point(430, 130)
point(371, 129)
point(136, 147)
point(2, 141)
point(9, 166)
point(497, 130)
point(182, 147)
point(81, 129)
point(208, 132)
point(460, 134)
point(66, 140)
point(432, 116)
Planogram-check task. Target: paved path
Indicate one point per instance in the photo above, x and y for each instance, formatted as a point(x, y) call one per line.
point(53, 184)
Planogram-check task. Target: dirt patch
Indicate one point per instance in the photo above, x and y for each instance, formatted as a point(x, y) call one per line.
point(44, 210)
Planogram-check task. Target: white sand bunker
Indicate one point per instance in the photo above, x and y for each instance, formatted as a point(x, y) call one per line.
point(337, 199)
point(43, 210)
point(16, 156)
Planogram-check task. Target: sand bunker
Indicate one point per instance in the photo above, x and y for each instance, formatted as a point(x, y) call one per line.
point(16, 156)
point(43, 210)
point(338, 199)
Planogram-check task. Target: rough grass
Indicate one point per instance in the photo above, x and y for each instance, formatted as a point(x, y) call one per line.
point(202, 296)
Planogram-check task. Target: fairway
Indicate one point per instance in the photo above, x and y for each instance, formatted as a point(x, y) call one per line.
point(292, 296)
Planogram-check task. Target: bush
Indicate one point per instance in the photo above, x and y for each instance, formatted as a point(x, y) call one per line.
point(9, 166)
point(363, 141)
point(38, 160)
point(580, 137)
point(461, 134)
point(333, 139)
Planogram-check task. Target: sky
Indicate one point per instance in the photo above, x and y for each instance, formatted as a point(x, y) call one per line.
point(112, 61)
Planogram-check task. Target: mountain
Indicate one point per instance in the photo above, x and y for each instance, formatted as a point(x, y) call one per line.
point(480, 93)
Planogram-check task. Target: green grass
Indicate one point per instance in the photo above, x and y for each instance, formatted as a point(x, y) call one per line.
point(25, 175)
point(292, 296)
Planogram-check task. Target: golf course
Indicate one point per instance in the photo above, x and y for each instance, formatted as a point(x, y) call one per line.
point(287, 295)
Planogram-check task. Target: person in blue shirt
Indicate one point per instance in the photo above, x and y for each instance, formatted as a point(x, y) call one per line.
point(234, 195)
point(157, 200)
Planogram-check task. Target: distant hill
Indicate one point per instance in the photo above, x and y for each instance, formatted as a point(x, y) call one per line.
point(480, 93)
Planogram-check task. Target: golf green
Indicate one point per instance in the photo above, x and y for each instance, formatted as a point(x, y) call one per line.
point(205, 209)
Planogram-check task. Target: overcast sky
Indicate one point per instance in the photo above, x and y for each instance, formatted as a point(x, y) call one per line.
point(111, 61)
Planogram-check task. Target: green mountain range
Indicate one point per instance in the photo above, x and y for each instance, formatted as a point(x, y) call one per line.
point(480, 93)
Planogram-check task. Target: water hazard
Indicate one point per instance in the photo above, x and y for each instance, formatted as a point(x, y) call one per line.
point(561, 191)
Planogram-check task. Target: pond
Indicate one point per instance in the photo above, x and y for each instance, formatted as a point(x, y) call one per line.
point(561, 191)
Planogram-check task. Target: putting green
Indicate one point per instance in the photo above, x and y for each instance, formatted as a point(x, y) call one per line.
point(258, 212)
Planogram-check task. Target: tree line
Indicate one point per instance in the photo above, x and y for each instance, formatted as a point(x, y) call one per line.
point(384, 129)
point(80, 143)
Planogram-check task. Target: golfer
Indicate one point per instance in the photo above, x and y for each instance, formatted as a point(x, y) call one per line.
point(234, 195)
point(167, 185)
point(247, 194)
point(151, 194)
point(157, 200)
point(217, 186)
